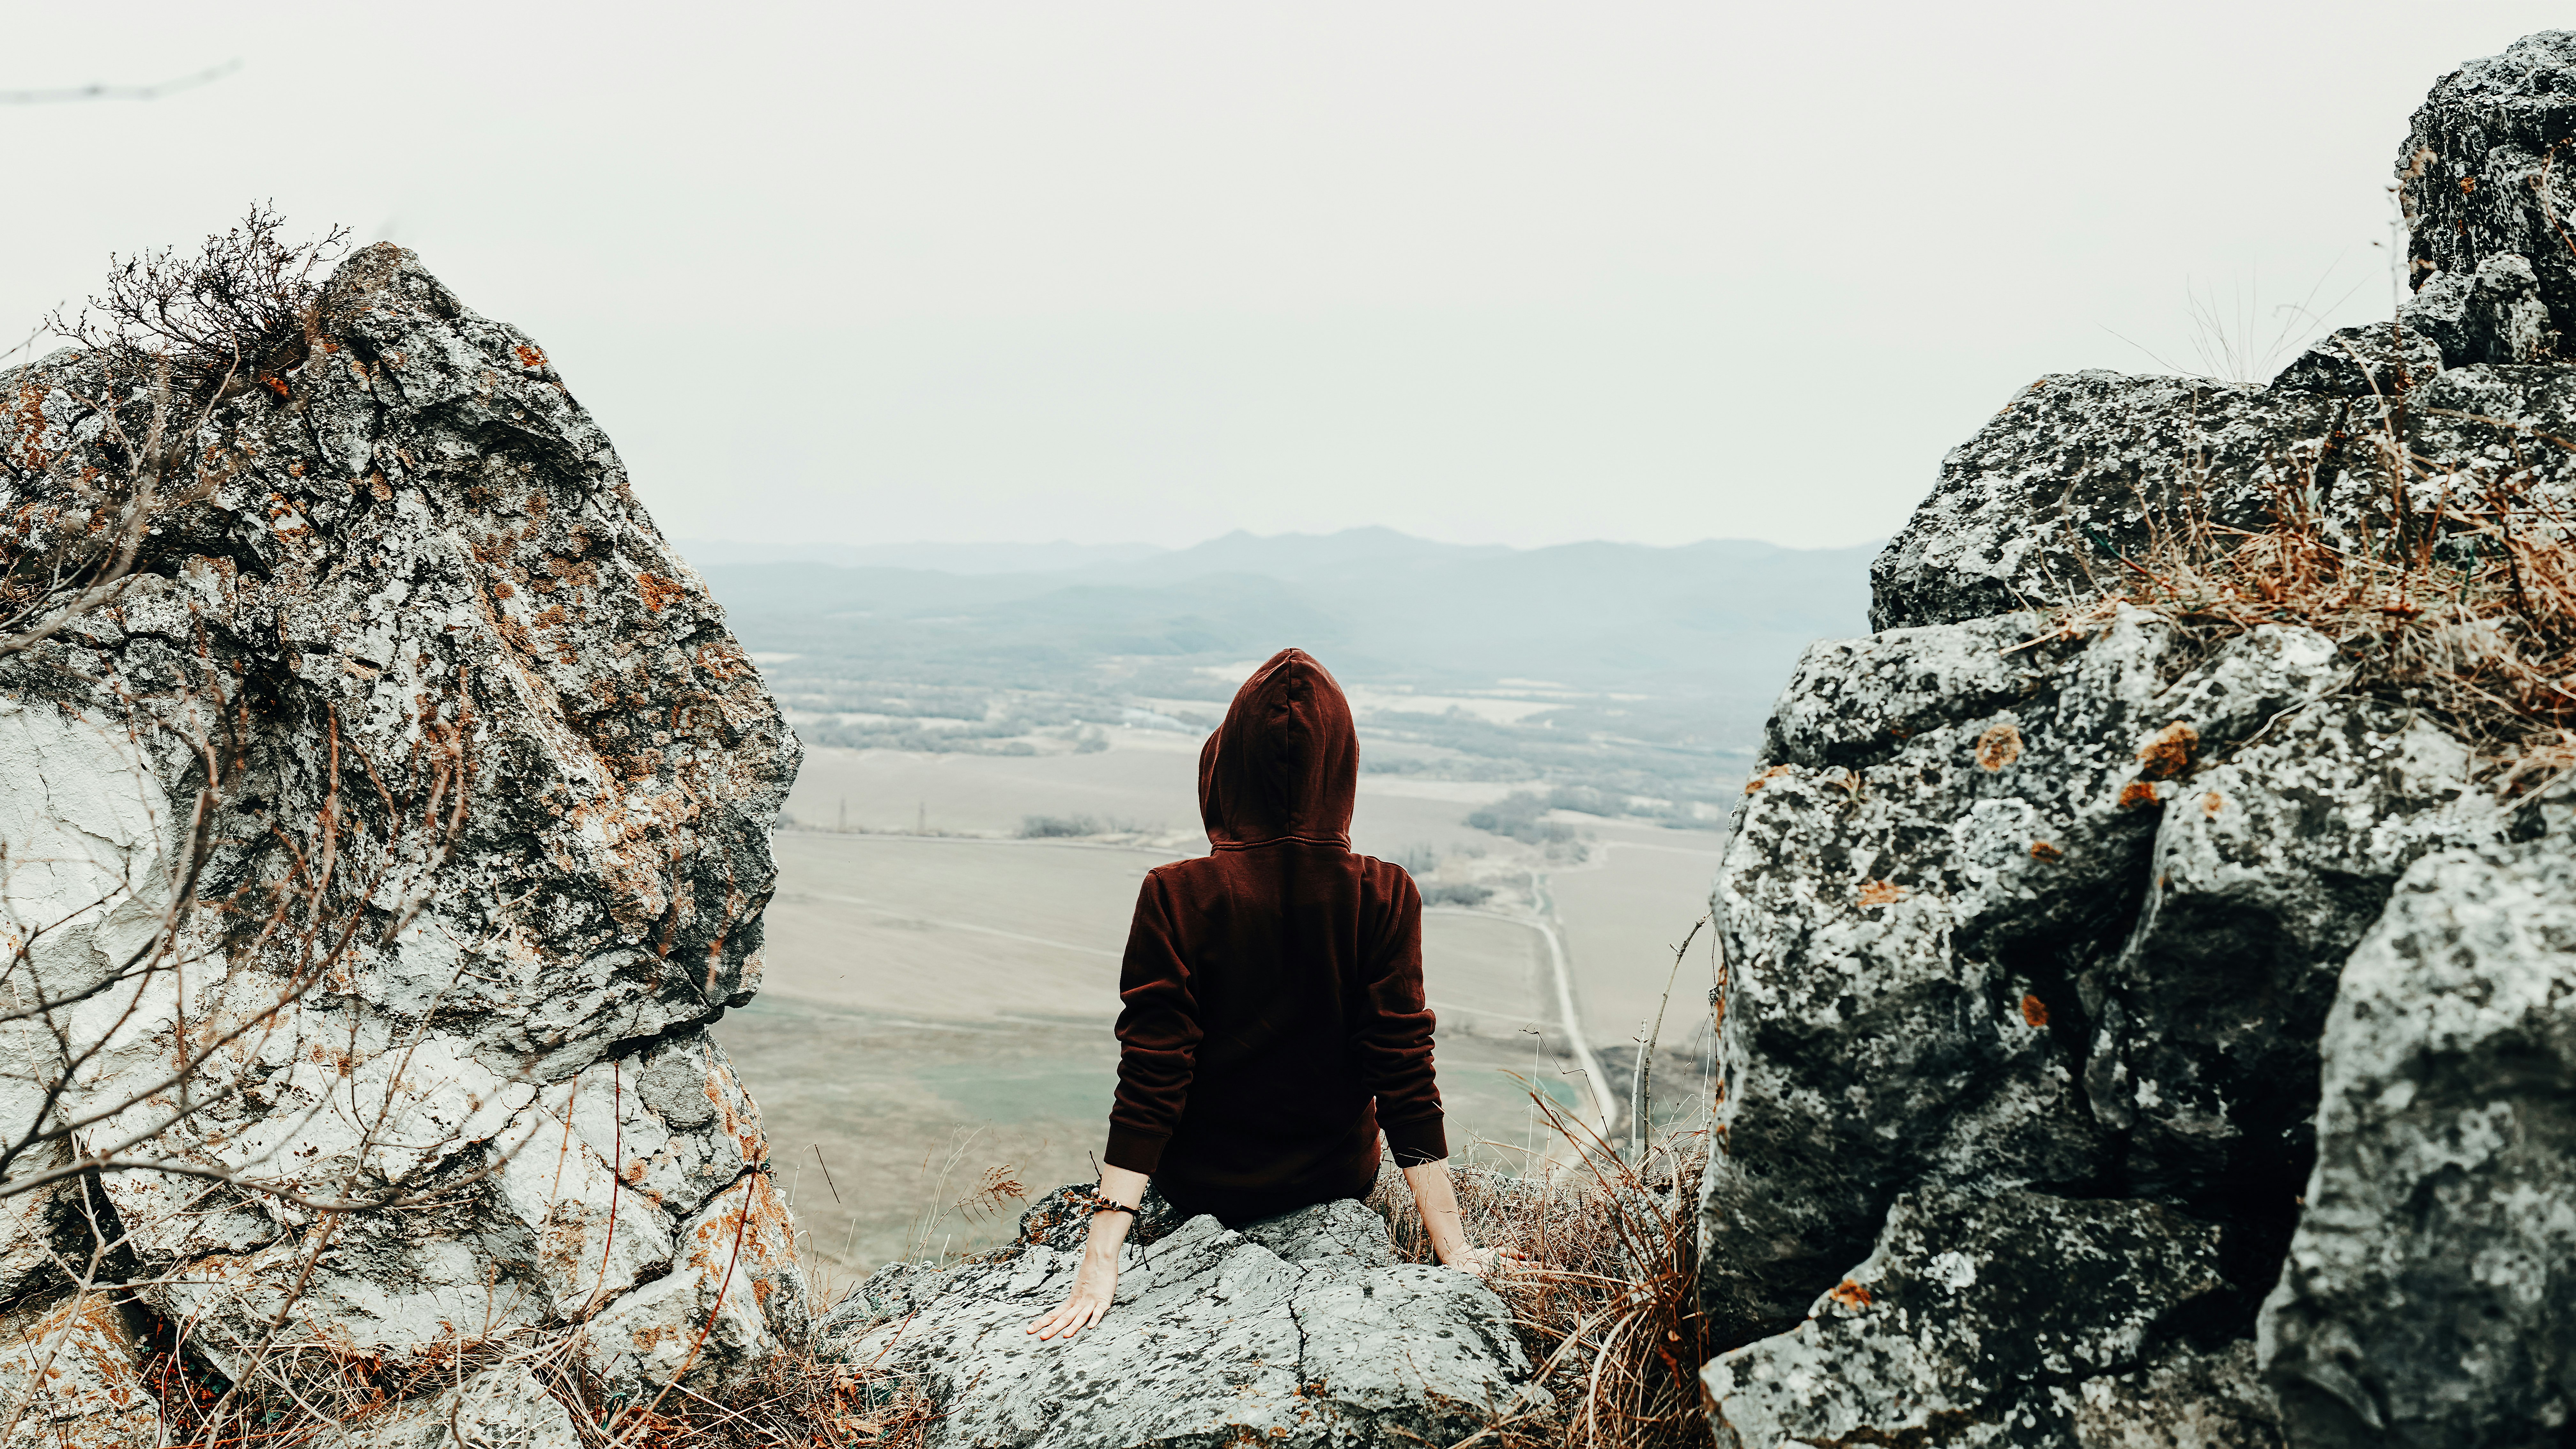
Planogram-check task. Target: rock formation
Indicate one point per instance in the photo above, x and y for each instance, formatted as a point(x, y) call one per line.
point(376, 862)
point(1300, 1331)
point(2145, 1034)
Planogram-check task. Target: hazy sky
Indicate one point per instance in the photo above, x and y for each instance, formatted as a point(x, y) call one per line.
point(1490, 272)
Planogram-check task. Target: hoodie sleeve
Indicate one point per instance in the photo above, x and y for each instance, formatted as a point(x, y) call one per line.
point(1158, 1035)
point(1395, 1034)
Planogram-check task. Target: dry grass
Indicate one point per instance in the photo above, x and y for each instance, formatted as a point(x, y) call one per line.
point(2449, 585)
point(1609, 1306)
point(789, 1401)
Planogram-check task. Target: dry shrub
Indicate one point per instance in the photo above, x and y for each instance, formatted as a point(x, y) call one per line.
point(2449, 585)
point(1608, 1301)
point(239, 311)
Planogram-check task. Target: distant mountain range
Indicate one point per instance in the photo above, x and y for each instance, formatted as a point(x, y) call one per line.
point(947, 558)
point(1706, 632)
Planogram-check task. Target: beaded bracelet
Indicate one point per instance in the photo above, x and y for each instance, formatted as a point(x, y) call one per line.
point(1098, 1201)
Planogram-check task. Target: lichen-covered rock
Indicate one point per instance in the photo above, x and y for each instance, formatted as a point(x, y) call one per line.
point(2009, 911)
point(2478, 177)
point(2493, 314)
point(2084, 470)
point(2080, 468)
point(2015, 1320)
point(2381, 360)
point(69, 1379)
point(473, 787)
point(1929, 898)
point(1215, 1337)
point(2430, 1294)
point(2269, 864)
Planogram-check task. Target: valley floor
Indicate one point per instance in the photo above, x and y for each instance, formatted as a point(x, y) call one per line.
point(938, 1007)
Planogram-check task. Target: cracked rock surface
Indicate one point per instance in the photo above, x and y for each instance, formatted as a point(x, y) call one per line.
point(428, 624)
point(1300, 1330)
point(2010, 910)
point(2430, 1294)
point(2015, 1319)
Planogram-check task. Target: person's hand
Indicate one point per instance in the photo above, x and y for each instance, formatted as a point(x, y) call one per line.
point(1489, 1262)
point(1093, 1288)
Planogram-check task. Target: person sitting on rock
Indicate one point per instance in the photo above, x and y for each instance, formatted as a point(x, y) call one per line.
point(1274, 1021)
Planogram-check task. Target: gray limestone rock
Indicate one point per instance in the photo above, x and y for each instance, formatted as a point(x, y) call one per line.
point(1299, 1331)
point(2382, 360)
point(1920, 935)
point(2430, 1293)
point(2081, 468)
point(2014, 912)
point(2493, 315)
point(2269, 864)
point(415, 601)
point(2478, 177)
point(2041, 506)
point(2016, 1320)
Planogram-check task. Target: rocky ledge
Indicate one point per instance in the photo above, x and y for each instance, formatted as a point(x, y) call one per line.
point(2148, 1034)
point(1301, 1330)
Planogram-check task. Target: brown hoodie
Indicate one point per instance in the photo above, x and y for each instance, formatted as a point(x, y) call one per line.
point(1274, 1019)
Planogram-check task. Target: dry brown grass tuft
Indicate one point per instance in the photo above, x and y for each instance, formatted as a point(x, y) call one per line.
point(1608, 1306)
point(790, 1401)
point(2450, 585)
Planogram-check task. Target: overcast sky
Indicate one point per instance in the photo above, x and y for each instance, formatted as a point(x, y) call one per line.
point(1488, 272)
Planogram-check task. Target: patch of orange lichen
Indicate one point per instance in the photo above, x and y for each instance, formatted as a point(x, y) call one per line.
point(2212, 803)
point(2034, 1010)
point(658, 591)
point(1880, 893)
point(1999, 746)
point(1851, 1295)
point(2042, 850)
point(2168, 751)
point(2138, 793)
point(1767, 776)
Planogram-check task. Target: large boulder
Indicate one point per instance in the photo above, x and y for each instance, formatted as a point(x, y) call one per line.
point(2007, 909)
point(2009, 912)
point(2430, 1295)
point(1301, 1330)
point(2064, 928)
point(384, 851)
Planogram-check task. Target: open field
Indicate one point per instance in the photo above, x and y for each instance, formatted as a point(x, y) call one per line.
point(930, 995)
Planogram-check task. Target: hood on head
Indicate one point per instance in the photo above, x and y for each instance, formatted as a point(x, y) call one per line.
point(1285, 765)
